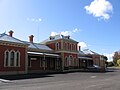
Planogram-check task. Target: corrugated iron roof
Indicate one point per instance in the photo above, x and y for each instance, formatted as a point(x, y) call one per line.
point(57, 37)
point(38, 46)
point(87, 51)
point(5, 37)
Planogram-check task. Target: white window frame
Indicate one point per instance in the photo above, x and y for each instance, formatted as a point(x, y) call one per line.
point(18, 59)
point(66, 62)
point(70, 60)
point(57, 46)
point(14, 58)
point(5, 58)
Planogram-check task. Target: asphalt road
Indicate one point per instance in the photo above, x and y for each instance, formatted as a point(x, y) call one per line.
point(65, 81)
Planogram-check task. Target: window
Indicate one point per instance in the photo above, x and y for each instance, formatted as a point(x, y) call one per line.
point(70, 47)
point(18, 58)
point(29, 62)
point(57, 46)
point(70, 60)
point(65, 46)
point(12, 58)
point(66, 62)
point(6, 58)
point(75, 62)
point(41, 62)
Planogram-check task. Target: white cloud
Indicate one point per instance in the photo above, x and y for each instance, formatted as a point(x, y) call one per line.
point(34, 19)
point(53, 33)
point(83, 45)
point(100, 9)
point(109, 56)
point(65, 33)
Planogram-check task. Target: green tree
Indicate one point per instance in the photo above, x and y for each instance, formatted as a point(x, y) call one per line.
point(116, 57)
point(118, 62)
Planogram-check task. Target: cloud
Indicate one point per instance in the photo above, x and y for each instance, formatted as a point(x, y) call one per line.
point(53, 33)
point(110, 56)
point(100, 9)
point(34, 19)
point(83, 45)
point(65, 33)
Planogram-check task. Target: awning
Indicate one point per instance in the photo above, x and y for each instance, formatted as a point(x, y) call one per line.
point(85, 58)
point(46, 54)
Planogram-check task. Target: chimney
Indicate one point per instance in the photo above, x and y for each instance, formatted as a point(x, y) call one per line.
point(11, 33)
point(31, 38)
point(79, 48)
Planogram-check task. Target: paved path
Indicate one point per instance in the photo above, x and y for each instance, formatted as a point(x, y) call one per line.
point(68, 81)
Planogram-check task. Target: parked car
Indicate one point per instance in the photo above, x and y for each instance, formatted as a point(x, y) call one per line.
point(94, 68)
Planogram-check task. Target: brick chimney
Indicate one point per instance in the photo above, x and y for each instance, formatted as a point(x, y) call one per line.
point(31, 38)
point(11, 33)
point(79, 48)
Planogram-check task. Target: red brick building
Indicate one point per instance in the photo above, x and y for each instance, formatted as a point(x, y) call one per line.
point(13, 58)
point(57, 53)
point(66, 48)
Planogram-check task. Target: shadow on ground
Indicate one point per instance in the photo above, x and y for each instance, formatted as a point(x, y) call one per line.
point(44, 75)
point(24, 76)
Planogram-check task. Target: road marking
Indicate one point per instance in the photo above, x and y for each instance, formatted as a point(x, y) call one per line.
point(93, 76)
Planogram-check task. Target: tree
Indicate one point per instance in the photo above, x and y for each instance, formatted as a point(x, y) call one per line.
point(118, 62)
point(116, 57)
point(110, 64)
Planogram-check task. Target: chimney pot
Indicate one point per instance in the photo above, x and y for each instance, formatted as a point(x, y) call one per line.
point(11, 33)
point(31, 38)
point(79, 48)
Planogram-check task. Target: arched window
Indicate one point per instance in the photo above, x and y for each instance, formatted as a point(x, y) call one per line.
point(70, 47)
point(66, 61)
point(65, 46)
point(75, 62)
point(12, 58)
point(70, 60)
point(57, 46)
point(18, 58)
point(6, 58)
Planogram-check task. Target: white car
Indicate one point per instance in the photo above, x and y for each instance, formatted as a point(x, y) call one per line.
point(94, 68)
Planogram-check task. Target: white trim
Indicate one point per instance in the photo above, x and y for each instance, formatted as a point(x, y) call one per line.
point(57, 46)
point(5, 58)
point(14, 58)
point(70, 60)
point(66, 62)
point(18, 59)
point(84, 58)
point(38, 53)
point(47, 54)
point(9, 58)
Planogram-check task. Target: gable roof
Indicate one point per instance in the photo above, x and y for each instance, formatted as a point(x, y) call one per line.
point(38, 46)
point(87, 51)
point(81, 53)
point(57, 37)
point(7, 38)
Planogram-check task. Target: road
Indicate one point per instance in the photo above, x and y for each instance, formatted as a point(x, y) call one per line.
point(65, 81)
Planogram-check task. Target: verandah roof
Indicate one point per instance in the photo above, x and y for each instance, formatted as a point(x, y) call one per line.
point(47, 54)
point(85, 58)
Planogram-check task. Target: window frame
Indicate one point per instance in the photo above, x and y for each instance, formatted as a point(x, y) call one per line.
point(5, 58)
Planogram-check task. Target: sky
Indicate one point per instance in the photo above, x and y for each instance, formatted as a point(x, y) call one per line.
point(93, 23)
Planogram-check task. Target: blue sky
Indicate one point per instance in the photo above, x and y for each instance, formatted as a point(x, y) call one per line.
point(93, 23)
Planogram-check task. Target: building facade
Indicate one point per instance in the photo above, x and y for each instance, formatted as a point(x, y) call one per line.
point(13, 53)
point(57, 53)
